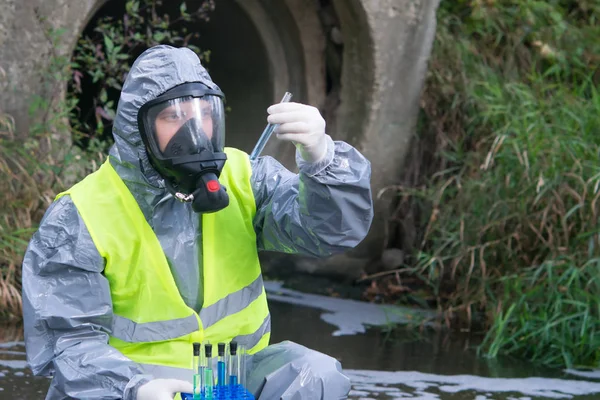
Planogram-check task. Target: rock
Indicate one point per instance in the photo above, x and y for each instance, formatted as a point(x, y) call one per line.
point(392, 259)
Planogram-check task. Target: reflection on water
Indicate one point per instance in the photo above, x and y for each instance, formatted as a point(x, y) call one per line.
point(404, 350)
point(381, 365)
point(11, 333)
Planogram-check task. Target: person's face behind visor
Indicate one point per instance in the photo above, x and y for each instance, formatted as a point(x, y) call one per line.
point(178, 112)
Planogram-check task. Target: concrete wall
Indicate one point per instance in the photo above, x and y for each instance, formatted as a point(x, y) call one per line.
point(25, 49)
point(387, 44)
point(383, 48)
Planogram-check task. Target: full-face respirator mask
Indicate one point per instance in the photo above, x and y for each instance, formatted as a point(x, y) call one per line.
point(184, 134)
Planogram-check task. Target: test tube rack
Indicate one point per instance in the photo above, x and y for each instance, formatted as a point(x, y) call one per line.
point(237, 392)
point(228, 368)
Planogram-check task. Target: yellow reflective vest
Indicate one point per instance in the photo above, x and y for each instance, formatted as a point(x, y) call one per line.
point(152, 325)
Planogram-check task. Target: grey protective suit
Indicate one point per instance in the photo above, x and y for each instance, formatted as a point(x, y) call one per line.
point(324, 209)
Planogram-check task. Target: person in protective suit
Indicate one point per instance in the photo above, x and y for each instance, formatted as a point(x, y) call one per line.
point(157, 249)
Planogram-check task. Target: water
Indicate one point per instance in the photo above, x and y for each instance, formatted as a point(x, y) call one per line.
point(16, 381)
point(381, 365)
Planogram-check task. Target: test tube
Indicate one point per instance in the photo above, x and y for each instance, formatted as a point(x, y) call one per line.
point(208, 372)
point(201, 369)
point(233, 365)
point(221, 378)
point(196, 368)
point(242, 362)
point(266, 134)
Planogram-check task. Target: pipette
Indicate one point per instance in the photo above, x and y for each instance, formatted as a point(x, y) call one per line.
point(266, 135)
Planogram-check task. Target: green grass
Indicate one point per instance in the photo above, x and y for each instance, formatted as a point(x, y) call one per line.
point(34, 170)
point(26, 189)
point(554, 310)
point(506, 202)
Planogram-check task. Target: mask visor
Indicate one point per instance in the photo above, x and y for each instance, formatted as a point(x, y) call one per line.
point(185, 126)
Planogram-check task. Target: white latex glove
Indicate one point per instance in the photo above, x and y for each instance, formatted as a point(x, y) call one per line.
point(163, 389)
point(302, 125)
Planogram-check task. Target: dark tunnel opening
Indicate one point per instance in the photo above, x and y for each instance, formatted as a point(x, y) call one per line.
point(237, 62)
point(334, 50)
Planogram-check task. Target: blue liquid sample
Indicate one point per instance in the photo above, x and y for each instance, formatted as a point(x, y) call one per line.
point(220, 373)
point(233, 381)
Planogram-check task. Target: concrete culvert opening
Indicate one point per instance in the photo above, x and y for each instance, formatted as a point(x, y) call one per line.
point(239, 65)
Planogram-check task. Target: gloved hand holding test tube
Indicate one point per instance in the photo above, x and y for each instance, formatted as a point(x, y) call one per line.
point(266, 135)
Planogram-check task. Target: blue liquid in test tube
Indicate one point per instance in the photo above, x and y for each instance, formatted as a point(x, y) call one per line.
point(221, 371)
point(233, 365)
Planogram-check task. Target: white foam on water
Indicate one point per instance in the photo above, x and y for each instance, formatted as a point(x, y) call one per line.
point(390, 392)
point(15, 364)
point(395, 396)
point(13, 353)
point(349, 316)
point(8, 345)
point(594, 374)
point(534, 386)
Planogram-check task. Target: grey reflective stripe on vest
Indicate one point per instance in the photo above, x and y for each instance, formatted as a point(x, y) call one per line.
point(231, 304)
point(160, 371)
point(252, 339)
point(133, 332)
